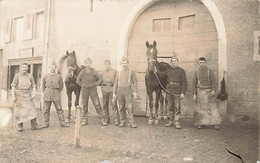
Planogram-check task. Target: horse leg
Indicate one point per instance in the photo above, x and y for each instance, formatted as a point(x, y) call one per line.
point(69, 94)
point(158, 94)
point(76, 103)
point(161, 99)
point(150, 95)
point(165, 111)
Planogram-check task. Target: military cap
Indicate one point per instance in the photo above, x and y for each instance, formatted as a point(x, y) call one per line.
point(71, 68)
point(25, 63)
point(88, 59)
point(53, 63)
point(107, 61)
point(202, 59)
point(124, 58)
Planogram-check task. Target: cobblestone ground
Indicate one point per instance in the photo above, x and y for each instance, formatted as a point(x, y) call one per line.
point(147, 143)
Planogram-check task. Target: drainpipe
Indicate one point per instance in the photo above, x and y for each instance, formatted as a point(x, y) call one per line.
point(47, 34)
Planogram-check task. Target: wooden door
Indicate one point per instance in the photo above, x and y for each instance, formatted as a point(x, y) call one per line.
point(184, 27)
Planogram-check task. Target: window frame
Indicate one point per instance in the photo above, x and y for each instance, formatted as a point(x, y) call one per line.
point(13, 33)
point(35, 24)
point(162, 24)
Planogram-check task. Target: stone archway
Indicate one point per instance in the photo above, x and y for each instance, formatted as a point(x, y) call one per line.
point(141, 6)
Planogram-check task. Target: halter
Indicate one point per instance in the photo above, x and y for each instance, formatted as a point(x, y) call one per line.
point(151, 60)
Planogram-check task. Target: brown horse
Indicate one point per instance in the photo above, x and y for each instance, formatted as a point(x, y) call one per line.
point(70, 81)
point(152, 84)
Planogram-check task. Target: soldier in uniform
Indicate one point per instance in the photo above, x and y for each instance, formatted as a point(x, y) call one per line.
point(52, 85)
point(23, 93)
point(204, 88)
point(123, 92)
point(108, 79)
point(177, 85)
point(89, 79)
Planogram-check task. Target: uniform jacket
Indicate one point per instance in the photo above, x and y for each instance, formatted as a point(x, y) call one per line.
point(88, 78)
point(177, 81)
point(108, 79)
point(52, 85)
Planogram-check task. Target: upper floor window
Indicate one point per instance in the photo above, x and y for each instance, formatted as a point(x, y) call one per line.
point(18, 29)
point(186, 22)
point(161, 25)
point(39, 31)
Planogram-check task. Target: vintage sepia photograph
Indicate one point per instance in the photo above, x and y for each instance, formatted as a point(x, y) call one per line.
point(129, 81)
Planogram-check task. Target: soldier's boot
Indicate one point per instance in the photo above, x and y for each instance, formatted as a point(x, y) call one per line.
point(177, 125)
point(106, 117)
point(122, 123)
point(84, 122)
point(133, 125)
point(34, 125)
point(101, 116)
point(62, 122)
point(67, 120)
point(20, 127)
point(117, 121)
point(103, 121)
point(170, 124)
point(216, 127)
point(46, 120)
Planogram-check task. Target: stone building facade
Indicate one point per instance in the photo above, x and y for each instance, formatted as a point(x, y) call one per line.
point(225, 32)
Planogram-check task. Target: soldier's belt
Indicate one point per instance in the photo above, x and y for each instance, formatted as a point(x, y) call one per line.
point(108, 84)
point(173, 83)
point(54, 88)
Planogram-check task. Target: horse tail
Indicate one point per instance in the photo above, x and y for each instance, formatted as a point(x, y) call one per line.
point(60, 62)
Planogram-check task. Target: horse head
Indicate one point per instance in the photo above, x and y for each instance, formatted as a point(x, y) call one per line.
point(151, 53)
point(72, 62)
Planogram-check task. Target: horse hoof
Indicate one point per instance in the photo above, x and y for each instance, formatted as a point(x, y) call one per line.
point(165, 117)
point(150, 121)
point(160, 117)
point(156, 121)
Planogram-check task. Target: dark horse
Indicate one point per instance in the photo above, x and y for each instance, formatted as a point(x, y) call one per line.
point(151, 82)
point(70, 81)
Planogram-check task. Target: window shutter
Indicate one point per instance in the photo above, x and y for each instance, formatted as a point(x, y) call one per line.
point(8, 30)
point(28, 27)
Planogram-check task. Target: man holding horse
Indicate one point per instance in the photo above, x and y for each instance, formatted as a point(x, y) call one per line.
point(52, 85)
point(89, 79)
point(123, 92)
point(108, 79)
point(177, 86)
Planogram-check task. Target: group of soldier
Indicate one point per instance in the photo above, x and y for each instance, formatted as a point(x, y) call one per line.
point(117, 86)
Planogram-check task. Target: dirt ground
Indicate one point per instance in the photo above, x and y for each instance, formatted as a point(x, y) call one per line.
point(147, 143)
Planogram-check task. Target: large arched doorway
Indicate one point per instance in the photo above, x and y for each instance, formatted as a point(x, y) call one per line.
point(185, 27)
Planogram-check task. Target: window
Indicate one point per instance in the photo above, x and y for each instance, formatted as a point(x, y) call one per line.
point(18, 29)
point(161, 25)
point(186, 22)
point(39, 31)
point(35, 69)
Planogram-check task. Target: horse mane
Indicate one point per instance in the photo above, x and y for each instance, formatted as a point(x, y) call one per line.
point(162, 66)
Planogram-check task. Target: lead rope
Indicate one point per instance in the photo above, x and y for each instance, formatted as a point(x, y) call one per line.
point(162, 85)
